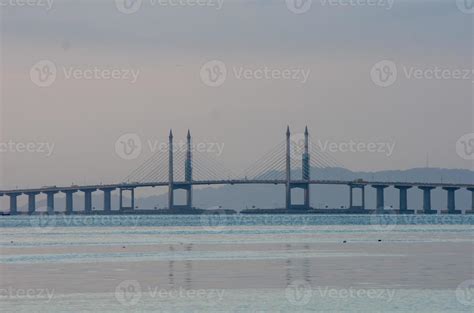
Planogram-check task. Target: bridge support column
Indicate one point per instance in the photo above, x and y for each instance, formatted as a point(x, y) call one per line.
point(288, 170)
point(471, 211)
point(427, 199)
point(351, 197)
point(188, 172)
point(170, 172)
point(306, 168)
point(451, 200)
point(13, 203)
point(32, 201)
point(107, 199)
point(50, 201)
point(132, 195)
point(380, 205)
point(69, 200)
point(88, 200)
point(403, 202)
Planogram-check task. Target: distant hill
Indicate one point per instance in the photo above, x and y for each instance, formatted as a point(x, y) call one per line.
point(246, 196)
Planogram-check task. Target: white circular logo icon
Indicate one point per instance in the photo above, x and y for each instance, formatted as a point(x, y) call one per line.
point(299, 292)
point(465, 146)
point(43, 223)
point(128, 146)
point(213, 221)
point(384, 73)
point(43, 73)
point(299, 6)
point(465, 292)
point(128, 292)
point(465, 6)
point(128, 6)
point(213, 73)
point(297, 143)
point(383, 222)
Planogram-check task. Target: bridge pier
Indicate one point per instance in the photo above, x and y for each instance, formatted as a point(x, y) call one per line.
point(403, 202)
point(170, 172)
point(188, 172)
point(306, 177)
point(88, 200)
point(471, 211)
point(451, 200)
point(351, 197)
point(380, 202)
point(13, 202)
point(107, 199)
point(50, 201)
point(31, 201)
point(132, 192)
point(69, 200)
point(427, 199)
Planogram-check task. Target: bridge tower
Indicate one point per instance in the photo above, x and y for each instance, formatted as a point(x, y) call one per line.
point(170, 172)
point(306, 168)
point(188, 168)
point(288, 169)
point(306, 177)
point(188, 175)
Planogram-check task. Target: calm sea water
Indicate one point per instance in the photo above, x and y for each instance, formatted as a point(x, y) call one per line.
point(238, 263)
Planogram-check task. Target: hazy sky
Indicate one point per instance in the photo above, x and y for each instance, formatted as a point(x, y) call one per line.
point(282, 68)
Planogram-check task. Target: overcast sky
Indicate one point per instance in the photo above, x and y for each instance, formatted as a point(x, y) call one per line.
point(312, 68)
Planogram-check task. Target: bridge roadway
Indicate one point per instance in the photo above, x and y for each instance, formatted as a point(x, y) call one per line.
point(232, 182)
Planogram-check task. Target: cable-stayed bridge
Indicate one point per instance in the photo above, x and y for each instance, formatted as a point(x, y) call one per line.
point(290, 163)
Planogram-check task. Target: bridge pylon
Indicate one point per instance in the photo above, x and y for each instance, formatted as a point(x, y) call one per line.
point(188, 175)
point(306, 177)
